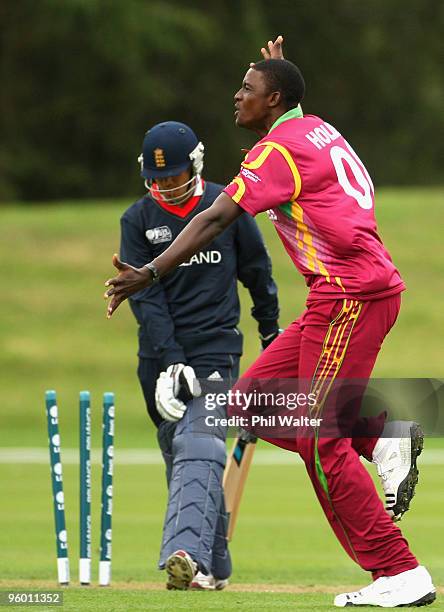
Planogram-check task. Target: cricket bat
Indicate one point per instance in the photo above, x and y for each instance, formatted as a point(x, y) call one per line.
point(235, 476)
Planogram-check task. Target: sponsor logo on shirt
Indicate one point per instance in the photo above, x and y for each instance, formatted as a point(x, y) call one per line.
point(156, 235)
point(209, 257)
point(250, 175)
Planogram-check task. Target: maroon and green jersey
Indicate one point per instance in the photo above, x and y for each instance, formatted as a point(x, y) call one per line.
point(320, 197)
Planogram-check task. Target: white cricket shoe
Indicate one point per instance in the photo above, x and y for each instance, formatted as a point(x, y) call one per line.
point(411, 588)
point(202, 582)
point(181, 570)
point(395, 457)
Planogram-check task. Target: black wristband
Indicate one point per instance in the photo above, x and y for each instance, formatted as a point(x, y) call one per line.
point(267, 327)
point(154, 271)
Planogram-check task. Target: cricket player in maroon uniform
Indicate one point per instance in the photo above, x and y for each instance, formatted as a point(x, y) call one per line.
point(320, 198)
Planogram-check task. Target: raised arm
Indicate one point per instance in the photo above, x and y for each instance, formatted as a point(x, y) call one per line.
point(273, 50)
point(197, 234)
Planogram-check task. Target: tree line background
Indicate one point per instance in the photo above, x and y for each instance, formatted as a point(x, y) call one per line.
point(82, 80)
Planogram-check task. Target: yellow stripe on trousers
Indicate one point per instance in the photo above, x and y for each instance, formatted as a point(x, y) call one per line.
point(340, 329)
point(338, 335)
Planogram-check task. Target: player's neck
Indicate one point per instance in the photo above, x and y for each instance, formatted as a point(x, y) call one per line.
point(262, 130)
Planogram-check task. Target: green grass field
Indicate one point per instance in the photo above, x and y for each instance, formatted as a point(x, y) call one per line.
point(54, 334)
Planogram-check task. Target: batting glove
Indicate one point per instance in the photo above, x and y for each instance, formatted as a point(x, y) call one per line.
point(185, 384)
point(267, 340)
point(174, 388)
point(168, 406)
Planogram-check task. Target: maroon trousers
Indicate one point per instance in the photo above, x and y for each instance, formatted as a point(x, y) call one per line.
point(333, 340)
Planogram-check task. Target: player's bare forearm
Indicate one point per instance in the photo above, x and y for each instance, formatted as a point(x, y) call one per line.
point(197, 234)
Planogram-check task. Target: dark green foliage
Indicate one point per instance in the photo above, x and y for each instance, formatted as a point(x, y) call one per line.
point(81, 80)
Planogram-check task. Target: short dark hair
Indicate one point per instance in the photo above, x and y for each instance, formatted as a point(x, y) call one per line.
point(284, 76)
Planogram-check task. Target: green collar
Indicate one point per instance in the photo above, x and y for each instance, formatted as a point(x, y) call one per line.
point(293, 113)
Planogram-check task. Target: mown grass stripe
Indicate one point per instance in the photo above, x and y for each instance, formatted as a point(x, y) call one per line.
point(140, 456)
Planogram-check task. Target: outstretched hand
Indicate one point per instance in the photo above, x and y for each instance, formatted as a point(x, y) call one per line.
point(273, 51)
point(128, 281)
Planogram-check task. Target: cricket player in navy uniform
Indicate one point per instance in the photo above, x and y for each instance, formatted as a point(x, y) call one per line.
point(188, 331)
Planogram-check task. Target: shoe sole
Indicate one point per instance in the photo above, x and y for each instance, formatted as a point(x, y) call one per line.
point(423, 601)
point(406, 489)
point(180, 573)
point(176, 587)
